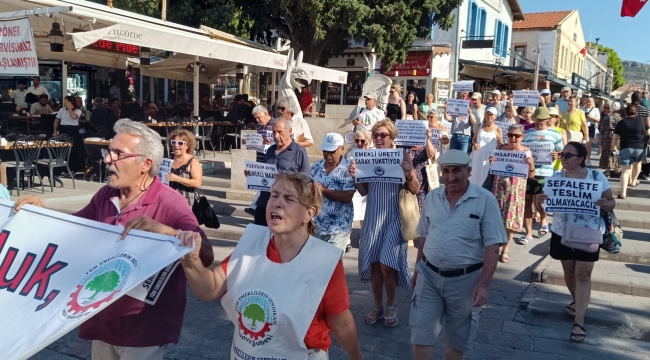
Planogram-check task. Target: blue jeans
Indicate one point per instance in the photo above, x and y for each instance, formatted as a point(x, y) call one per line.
point(459, 142)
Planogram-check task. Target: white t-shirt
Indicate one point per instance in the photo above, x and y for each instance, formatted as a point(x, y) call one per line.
point(299, 127)
point(40, 90)
point(65, 118)
point(368, 118)
point(593, 113)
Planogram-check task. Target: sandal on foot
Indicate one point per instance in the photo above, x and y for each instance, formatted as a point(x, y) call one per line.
point(390, 318)
point(578, 338)
point(524, 240)
point(569, 310)
point(543, 230)
point(505, 258)
point(621, 196)
point(369, 319)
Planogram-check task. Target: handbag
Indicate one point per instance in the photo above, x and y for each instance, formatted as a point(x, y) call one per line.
point(598, 139)
point(433, 179)
point(409, 214)
point(582, 238)
point(613, 233)
point(574, 136)
point(205, 214)
point(645, 159)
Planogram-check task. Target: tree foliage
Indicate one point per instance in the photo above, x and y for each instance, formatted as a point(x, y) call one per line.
point(103, 283)
point(255, 313)
point(319, 28)
point(614, 62)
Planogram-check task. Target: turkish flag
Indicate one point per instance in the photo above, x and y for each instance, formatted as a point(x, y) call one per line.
point(632, 7)
point(583, 52)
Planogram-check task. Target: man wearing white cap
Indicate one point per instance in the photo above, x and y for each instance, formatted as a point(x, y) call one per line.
point(478, 109)
point(371, 114)
point(497, 103)
point(545, 99)
point(460, 232)
point(334, 222)
point(563, 102)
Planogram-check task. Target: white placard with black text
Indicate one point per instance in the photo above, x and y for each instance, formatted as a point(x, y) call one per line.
point(525, 98)
point(254, 141)
point(165, 168)
point(542, 152)
point(411, 132)
point(510, 163)
point(261, 176)
point(457, 107)
point(464, 85)
point(379, 165)
point(572, 196)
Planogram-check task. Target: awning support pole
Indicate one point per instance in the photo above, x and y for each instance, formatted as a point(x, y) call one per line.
point(272, 92)
point(39, 11)
point(196, 85)
point(64, 81)
point(152, 88)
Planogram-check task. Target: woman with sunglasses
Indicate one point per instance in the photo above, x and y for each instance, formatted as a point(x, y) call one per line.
point(361, 141)
point(186, 175)
point(382, 249)
point(611, 117)
point(578, 264)
point(510, 190)
point(396, 107)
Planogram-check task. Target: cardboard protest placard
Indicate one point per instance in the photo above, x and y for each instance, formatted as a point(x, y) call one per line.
point(542, 152)
point(572, 196)
point(261, 175)
point(526, 98)
point(57, 283)
point(435, 137)
point(411, 132)
point(457, 107)
point(510, 163)
point(165, 168)
point(379, 165)
point(254, 141)
point(464, 85)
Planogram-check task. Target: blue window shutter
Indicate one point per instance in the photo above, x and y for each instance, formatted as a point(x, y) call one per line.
point(470, 19)
point(504, 45)
point(497, 36)
point(482, 24)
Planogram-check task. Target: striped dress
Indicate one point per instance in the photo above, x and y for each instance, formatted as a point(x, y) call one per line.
point(381, 238)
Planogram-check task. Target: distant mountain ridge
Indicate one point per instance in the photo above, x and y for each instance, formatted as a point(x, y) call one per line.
point(635, 72)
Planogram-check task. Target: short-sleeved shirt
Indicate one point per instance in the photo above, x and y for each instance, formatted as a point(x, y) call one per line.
point(299, 127)
point(38, 109)
point(66, 119)
point(573, 122)
point(501, 107)
point(38, 91)
point(424, 108)
point(368, 118)
point(461, 125)
point(593, 112)
point(594, 222)
point(562, 104)
point(19, 98)
point(456, 238)
point(290, 160)
point(335, 217)
point(334, 301)
point(549, 135)
point(631, 131)
point(130, 322)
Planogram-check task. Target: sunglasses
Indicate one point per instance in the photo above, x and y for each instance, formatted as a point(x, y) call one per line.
point(282, 108)
point(178, 142)
point(566, 156)
point(359, 141)
point(516, 136)
point(380, 135)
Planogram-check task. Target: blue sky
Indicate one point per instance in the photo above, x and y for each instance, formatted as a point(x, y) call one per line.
point(603, 16)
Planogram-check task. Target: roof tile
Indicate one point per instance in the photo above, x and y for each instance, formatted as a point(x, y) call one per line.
point(541, 20)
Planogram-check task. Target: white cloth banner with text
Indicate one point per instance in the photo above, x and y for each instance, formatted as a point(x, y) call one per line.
point(379, 165)
point(66, 270)
point(17, 48)
point(457, 107)
point(525, 98)
point(261, 176)
point(510, 163)
point(572, 196)
point(411, 132)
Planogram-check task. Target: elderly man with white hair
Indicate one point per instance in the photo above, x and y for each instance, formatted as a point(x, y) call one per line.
point(136, 199)
point(291, 111)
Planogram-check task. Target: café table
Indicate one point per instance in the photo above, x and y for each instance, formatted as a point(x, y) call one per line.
point(29, 119)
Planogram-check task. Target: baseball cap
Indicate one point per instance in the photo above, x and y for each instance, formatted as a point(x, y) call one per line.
point(477, 95)
point(371, 95)
point(566, 88)
point(455, 157)
point(496, 92)
point(492, 110)
point(545, 92)
point(331, 142)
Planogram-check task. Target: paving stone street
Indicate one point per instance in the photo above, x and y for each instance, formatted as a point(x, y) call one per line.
point(524, 317)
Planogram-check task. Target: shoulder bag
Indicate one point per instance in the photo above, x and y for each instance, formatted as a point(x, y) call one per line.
point(433, 179)
point(409, 214)
point(205, 214)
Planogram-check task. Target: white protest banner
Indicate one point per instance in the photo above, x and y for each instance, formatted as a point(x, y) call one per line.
point(254, 141)
point(509, 163)
point(65, 270)
point(572, 196)
point(525, 97)
point(457, 107)
point(165, 168)
point(542, 152)
point(17, 48)
point(411, 132)
point(149, 290)
point(379, 165)
point(261, 175)
point(435, 137)
point(464, 85)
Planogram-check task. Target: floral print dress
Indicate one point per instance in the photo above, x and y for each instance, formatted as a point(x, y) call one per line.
point(510, 193)
point(419, 165)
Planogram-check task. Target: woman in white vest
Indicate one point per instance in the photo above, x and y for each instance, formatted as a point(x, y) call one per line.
point(283, 289)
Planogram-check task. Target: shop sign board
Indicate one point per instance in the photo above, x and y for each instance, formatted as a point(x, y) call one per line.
point(17, 48)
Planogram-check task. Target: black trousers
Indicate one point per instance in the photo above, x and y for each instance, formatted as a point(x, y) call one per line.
point(78, 152)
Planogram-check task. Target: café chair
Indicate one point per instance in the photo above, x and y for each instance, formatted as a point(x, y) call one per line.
point(26, 151)
point(58, 153)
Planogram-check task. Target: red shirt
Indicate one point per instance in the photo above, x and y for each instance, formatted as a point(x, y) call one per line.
point(305, 101)
point(335, 301)
point(130, 322)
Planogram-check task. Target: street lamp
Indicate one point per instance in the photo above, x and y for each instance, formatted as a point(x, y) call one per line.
point(56, 38)
point(145, 56)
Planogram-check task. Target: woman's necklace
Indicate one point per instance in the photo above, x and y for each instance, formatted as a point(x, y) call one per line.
point(135, 197)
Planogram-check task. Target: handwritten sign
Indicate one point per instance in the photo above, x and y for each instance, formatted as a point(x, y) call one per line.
point(542, 152)
point(525, 97)
point(411, 132)
point(572, 196)
point(510, 163)
point(254, 141)
point(457, 107)
point(379, 165)
point(165, 168)
point(465, 85)
point(17, 48)
point(435, 137)
point(261, 175)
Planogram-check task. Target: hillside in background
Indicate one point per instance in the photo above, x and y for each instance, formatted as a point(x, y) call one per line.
point(634, 72)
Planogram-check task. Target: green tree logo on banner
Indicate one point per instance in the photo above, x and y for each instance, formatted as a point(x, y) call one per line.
point(105, 282)
point(255, 313)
